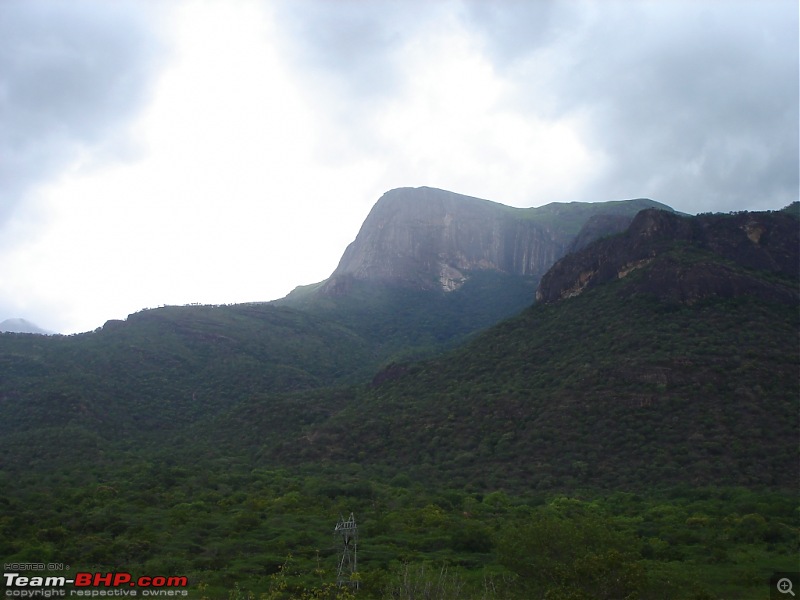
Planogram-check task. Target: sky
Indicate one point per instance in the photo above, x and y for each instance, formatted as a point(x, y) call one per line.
point(199, 151)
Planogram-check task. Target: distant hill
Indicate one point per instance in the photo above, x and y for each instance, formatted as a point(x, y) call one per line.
point(674, 338)
point(22, 326)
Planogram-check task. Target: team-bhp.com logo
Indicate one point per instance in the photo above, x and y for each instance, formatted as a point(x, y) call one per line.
point(94, 585)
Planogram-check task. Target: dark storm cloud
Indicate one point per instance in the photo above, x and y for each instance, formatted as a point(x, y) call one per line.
point(695, 103)
point(71, 73)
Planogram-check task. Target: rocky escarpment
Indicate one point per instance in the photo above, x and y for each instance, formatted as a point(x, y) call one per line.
point(430, 239)
point(686, 259)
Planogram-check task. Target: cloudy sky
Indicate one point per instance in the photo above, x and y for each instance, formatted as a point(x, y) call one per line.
point(170, 152)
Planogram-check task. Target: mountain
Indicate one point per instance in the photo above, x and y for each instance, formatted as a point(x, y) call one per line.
point(22, 326)
point(665, 355)
point(646, 318)
point(430, 267)
point(431, 239)
point(170, 366)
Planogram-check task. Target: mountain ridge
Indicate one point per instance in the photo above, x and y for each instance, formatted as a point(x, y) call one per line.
point(765, 242)
point(431, 267)
point(175, 366)
point(433, 239)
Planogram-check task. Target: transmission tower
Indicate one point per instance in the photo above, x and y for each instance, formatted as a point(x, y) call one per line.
point(346, 531)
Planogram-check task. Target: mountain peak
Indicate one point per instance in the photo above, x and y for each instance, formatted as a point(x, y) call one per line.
point(431, 239)
point(428, 238)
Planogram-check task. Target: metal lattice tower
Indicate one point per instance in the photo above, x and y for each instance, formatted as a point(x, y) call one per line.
point(347, 531)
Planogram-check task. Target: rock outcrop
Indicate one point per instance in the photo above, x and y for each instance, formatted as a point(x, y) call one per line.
point(685, 259)
point(432, 239)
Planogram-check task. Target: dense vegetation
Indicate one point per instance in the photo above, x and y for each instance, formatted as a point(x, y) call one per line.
point(162, 369)
point(407, 323)
point(591, 392)
point(619, 444)
point(228, 526)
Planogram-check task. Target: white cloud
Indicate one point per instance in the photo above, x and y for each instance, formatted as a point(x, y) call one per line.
point(225, 205)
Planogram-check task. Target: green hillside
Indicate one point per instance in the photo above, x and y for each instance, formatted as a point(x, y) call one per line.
point(606, 390)
point(141, 380)
point(404, 322)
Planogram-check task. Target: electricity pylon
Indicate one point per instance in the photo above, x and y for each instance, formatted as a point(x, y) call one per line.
point(348, 551)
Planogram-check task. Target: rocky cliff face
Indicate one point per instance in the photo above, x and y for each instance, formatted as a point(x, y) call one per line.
point(432, 239)
point(686, 259)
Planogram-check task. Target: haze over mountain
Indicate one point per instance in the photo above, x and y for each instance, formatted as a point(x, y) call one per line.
point(19, 325)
